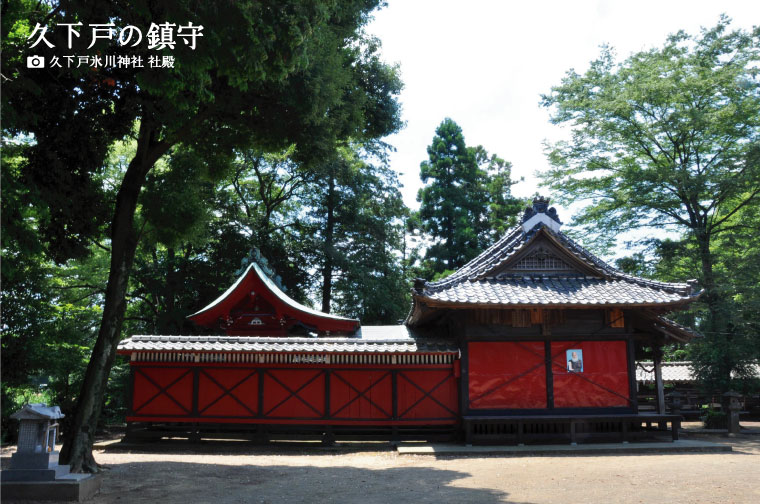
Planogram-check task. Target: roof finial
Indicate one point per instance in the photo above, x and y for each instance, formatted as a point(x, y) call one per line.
point(541, 214)
point(540, 204)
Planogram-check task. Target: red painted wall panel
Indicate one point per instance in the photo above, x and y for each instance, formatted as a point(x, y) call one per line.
point(163, 391)
point(507, 375)
point(604, 380)
point(361, 394)
point(294, 393)
point(427, 394)
point(228, 392)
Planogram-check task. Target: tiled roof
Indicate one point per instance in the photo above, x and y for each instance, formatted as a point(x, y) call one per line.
point(673, 328)
point(280, 344)
point(674, 371)
point(481, 282)
point(677, 371)
point(522, 290)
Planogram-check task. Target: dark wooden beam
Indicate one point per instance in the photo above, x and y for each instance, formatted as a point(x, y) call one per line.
point(549, 375)
point(657, 350)
point(633, 386)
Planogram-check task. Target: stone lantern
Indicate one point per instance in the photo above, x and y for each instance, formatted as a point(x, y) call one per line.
point(734, 407)
point(676, 402)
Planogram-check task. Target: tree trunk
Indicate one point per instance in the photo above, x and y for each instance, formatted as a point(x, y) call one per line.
point(716, 326)
point(172, 286)
point(327, 269)
point(77, 449)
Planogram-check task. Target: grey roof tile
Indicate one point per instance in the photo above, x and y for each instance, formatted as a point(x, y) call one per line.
point(674, 371)
point(679, 371)
point(374, 339)
point(474, 283)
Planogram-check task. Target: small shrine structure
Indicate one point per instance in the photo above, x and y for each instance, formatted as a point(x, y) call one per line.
point(34, 473)
point(534, 339)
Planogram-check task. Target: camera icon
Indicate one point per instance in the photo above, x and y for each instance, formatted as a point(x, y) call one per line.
point(35, 62)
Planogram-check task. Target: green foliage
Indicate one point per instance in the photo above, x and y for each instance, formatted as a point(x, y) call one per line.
point(452, 204)
point(272, 73)
point(367, 239)
point(713, 419)
point(502, 208)
point(353, 232)
point(174, 203)
point(664, 138)
point(184, 265)
point(466, 203)
point(670, 138)
point(14, 398)
point(50, 318)
point(47, 329)
point(265, 74)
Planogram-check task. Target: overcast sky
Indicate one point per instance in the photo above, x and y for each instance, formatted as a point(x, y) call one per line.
point(485, 64)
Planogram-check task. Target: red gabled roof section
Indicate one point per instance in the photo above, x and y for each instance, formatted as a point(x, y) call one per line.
point(254, 305)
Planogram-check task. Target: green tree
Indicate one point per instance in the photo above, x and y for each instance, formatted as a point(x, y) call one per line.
point(357, 219)
point(668, 138)
point(503, 208)
point(268, 193)
point(50, 311)
point(270, 74)
point(466, 202)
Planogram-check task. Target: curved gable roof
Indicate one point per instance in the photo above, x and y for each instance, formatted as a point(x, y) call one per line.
point(584, 280)
point(254, 280)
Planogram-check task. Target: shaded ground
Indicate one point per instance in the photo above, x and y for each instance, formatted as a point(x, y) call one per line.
point(219, 473)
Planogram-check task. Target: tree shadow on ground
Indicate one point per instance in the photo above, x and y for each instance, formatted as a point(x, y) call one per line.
point(218, 446)
point(218, 483)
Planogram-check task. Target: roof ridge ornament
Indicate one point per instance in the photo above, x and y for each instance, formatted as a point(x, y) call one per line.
point(256, 256)
point(540, 215)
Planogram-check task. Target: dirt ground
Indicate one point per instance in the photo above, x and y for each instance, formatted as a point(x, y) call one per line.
point(234, 472)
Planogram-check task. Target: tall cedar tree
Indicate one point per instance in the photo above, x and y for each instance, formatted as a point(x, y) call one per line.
point(466, 202)
point(668, 138)
point(453, 202)
point(271, 73)
point(357, 215)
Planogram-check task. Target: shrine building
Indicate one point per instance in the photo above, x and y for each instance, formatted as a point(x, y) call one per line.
point(534, 340)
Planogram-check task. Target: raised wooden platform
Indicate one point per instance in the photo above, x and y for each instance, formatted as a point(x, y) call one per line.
point(519, 429)
point(593, 449)
point(148, 432)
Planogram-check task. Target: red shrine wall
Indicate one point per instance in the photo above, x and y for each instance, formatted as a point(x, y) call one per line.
point(512, 375)
point(506, 375)
point(294, 394)
point(603, 381)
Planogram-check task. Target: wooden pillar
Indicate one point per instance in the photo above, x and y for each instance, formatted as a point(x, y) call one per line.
point(464, 369)
point(633, 388)
point(657, 349)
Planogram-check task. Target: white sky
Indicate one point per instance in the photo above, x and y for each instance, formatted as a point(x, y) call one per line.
point(485, 64)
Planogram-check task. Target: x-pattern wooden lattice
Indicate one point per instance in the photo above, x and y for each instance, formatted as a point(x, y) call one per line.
point(361, 394)
point(581, 375)
point(162, 390)
point(294, 393)
point(503, 384)
point(228, 392)
point(426, 394)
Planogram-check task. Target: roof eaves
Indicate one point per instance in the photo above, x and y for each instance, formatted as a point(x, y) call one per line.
point(505, 245)
point(608, 270)
point(275, 290)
